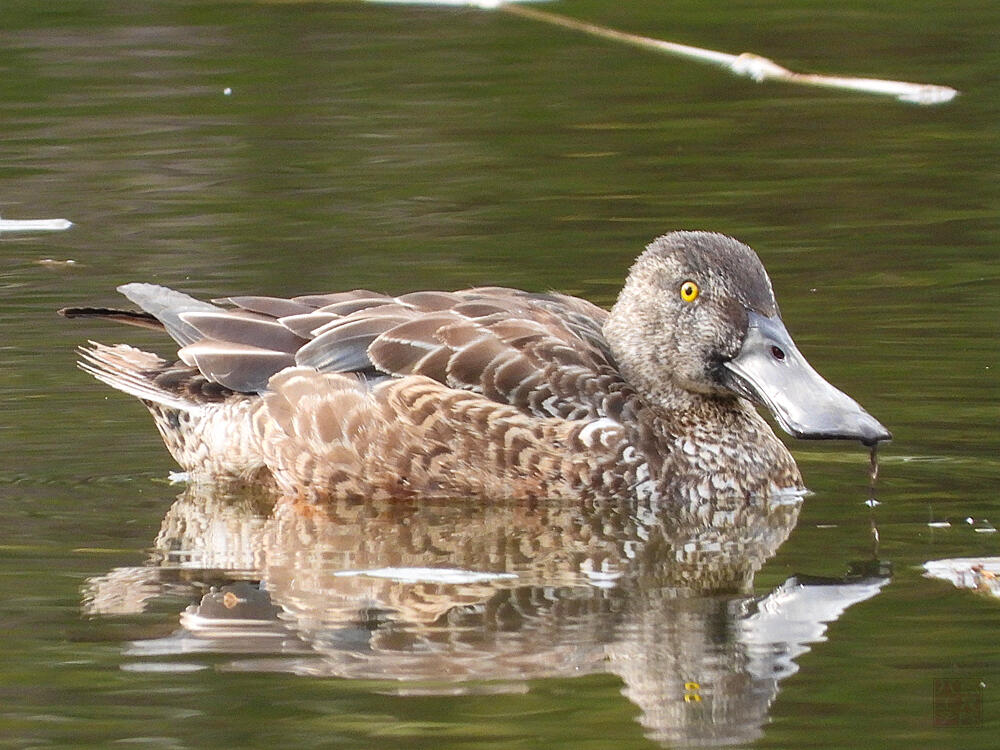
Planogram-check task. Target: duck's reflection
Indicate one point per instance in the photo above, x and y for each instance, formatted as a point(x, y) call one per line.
point(454, 597)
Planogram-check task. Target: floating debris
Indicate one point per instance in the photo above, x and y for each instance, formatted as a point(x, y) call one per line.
point(34, 225)
point(977, 573)
point(171, 667)
point(747, 64)
point(52, 262)
point(428, 575)
point(482, 4)
point(939, 525)
point(227, 91)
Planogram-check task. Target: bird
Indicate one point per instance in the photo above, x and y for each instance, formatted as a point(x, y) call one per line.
point(489, 392)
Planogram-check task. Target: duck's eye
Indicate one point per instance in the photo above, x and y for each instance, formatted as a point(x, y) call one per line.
point(689, 291)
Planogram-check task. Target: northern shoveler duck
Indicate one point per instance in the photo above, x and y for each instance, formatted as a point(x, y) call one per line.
point(490, 392)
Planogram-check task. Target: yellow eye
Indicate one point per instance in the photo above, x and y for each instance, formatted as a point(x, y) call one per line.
point(689, 291)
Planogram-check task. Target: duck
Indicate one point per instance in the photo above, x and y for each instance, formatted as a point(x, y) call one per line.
point(489, 392)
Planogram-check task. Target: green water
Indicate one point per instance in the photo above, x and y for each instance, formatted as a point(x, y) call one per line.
point(399, 148)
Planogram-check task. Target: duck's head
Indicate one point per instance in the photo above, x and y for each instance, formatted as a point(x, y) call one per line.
point(697, 317)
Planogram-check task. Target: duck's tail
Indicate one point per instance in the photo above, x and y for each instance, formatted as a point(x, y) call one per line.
point(133, 371)
point(207, 431)
point(129, 317)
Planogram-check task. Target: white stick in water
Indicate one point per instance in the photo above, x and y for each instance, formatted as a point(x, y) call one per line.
point(34, 225)
point(747, 64)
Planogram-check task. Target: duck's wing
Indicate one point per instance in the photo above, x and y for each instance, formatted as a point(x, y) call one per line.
point(543, 353)
point(242, 345)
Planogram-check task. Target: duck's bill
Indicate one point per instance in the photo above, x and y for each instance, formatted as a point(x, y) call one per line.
point(771, 371)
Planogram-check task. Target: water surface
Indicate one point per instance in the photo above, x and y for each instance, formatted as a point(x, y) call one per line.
point(399, 148)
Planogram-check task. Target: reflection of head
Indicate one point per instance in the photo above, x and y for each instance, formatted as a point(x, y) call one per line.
point(685, 667)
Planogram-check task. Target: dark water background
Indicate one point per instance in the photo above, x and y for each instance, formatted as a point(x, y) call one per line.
point(399, 148)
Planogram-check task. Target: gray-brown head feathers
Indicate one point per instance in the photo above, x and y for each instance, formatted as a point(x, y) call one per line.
point(670, 340)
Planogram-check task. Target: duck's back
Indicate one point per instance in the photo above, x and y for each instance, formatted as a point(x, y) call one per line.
point(537, 352)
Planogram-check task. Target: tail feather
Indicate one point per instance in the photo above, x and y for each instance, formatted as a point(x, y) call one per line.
point(166, 305)
point(131, 371)
point(129, 317)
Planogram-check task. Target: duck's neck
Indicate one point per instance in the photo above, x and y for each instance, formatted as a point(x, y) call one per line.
point(707, 445)
point(690, 432)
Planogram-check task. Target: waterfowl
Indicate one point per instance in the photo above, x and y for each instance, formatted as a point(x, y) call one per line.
point(490, 392)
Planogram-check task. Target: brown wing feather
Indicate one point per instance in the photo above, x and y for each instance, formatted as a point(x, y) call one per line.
point(430, 301)
point(342, 346)
point(239, 329)
point(469, 366)
point(321, 300)
point(239, 367)
point(346, 307)
point(540, 353)
point(273, 307)
point(307, 325)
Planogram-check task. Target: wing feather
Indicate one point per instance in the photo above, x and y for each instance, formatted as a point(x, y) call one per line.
point(272, 307)
point(430, 301)
point(307, 325)
point(239, 367)
point(542, 353)
point(321, 300)
point(346, 307)
point(166, 305)
point(262, 333)
point(343, 344)
point(468, 367)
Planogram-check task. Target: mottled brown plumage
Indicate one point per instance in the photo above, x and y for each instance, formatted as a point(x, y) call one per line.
point(486, 392)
